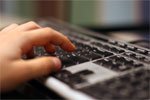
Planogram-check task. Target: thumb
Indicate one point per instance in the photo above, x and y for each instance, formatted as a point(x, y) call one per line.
point(40, 66)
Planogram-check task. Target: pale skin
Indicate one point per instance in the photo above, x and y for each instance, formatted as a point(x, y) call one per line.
point(17, 40)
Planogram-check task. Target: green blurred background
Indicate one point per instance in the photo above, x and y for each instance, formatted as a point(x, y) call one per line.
point(87, 13)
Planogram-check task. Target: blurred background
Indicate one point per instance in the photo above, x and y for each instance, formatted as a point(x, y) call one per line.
point(107, 16)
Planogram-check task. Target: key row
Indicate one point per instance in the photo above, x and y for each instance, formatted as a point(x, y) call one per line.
point(119, 63)
point(130, 47)
point(137, 57)
point(108, 47)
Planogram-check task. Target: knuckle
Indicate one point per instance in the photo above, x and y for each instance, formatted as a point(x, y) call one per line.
point(48, 29)
point(14, 24)
point(33, 23)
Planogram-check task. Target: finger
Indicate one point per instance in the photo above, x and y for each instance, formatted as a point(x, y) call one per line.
point(28, 26)
point(38, 67)
point(50, 48)
point(10, 27)
point(45, 35)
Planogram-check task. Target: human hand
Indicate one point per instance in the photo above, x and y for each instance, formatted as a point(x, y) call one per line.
point(17, 40)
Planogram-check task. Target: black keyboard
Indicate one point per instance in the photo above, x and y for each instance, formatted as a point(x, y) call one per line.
point(130, 62)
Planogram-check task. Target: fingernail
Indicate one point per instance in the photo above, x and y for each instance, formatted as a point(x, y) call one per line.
point(57, 63)
point(74, 46)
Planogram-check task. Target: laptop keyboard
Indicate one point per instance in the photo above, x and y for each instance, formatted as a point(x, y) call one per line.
point(130, 62)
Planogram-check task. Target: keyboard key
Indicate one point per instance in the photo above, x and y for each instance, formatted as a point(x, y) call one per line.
point(105, 53)
point(115, 65)
point(84, 72)
point(67, 62)
point(76, 79)
point(121, 51)
point(120, 60)
point(113, 42)
point(113, 49)
point(97, 44)
point(63, 74)
point(123, 45)
point(78, 59)
point(104, 62)
point(106, 47)
point(69, 78)
point(131, 48)
point(92, 56)
point(138, 65)
point(142, 51)
point(102, 52)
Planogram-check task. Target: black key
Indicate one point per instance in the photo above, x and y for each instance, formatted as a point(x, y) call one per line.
point(107, 54)
point(123, 45)
point(107, 63)
point(92, 56)
point(83, 52)
point(88, 48)
point(98, 51)
point(78, 59)
point(102, 53)
point(113, 49)
point(138, 65)
point(145, 52)
point(129, 54)
point(140, 57)
point(97, 44)
point(120, 60)
point(106, 47)
point(142, 51)
point(63, 74)
point(121, 51)
point(76, 79)
point(113, 42)
point(115, 66)
point(69, 78)
point(131, 48)
point(67, 62)
point(146, 60)
point(128, 62)
point(104, 62)
point(116, 50)
point(84, 72)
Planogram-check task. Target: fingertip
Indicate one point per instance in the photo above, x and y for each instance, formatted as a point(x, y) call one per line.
point(57, 63)
point(71, 48)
